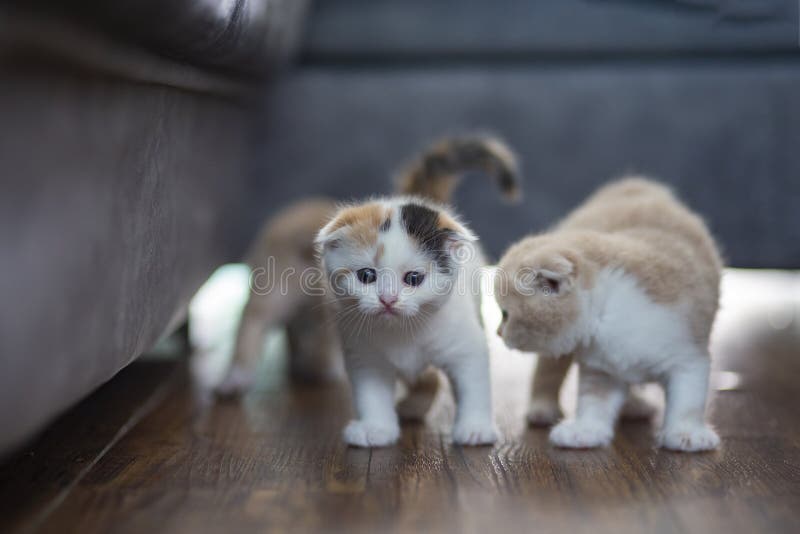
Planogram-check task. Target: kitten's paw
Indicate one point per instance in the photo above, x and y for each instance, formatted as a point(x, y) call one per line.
point(474, 433)
point(543, 413)
point(237, 381)
point(689, 438)
point(636, 407)
point(581, 434)
point(363, 434)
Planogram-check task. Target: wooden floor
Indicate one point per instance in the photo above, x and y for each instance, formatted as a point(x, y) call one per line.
point(149, 452)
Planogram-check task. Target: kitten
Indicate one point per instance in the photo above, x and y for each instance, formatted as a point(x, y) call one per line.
point(404, 273)
point(285, 245)
point(279, 296)
point(627, 286)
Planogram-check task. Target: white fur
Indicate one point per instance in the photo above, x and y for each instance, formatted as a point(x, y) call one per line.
point(432, 327)
point(622, 338)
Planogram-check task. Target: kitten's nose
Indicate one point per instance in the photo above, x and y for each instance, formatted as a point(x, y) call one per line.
point(388, 300)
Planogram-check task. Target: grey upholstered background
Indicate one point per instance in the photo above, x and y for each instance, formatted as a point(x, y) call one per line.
point(702, 94)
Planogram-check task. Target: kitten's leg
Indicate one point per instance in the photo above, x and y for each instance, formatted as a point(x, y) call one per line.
point(600, 398)
point(470, 379)
point(415, 405)
point(260, 313)
point(544, 409)
point(373, 399)
point(684, 427)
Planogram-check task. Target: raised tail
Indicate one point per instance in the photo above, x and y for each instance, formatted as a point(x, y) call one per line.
point(435, 173)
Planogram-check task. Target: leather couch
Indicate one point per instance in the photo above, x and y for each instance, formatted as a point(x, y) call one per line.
point(126, 154)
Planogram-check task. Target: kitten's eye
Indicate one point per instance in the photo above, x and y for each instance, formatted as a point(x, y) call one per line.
point(505, 315)
point(366, 275)
point(413, 278)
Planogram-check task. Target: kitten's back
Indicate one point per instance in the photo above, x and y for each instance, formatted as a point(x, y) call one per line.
point(648, 232)
point(288, 236)
point(645, 210)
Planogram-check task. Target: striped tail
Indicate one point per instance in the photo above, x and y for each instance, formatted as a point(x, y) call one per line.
point(436, 172)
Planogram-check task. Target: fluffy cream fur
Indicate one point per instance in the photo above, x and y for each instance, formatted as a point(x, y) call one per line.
point(286, 245)
point(627, 286)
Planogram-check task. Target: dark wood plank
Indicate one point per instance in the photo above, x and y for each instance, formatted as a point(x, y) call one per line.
point(274, 462)
point(35, 480)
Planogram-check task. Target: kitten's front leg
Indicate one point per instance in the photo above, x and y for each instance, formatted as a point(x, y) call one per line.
point(600, 397)
point(372, 386)
point(684, 427)
point(471, 383)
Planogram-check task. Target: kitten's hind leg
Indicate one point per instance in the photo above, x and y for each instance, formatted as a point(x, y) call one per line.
point(685, 428)
point(419, 397)
point(260, 313)
point(544, 409)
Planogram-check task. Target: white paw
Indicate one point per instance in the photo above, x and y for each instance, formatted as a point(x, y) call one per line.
point(363, 434)
point(474, 433)
point(237, 380)
point(543, 413)
point(581, 434)
point(636, 407)
point(689, 438)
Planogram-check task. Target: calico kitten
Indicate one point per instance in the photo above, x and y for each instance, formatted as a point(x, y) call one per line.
point(628, 287)
point(286, 245)
point(404, 273)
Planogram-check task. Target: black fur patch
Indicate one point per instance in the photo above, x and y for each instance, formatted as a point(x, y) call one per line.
point(422, 223)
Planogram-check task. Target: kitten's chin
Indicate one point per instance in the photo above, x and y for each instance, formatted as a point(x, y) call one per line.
point(521, 345)
point(391, 316)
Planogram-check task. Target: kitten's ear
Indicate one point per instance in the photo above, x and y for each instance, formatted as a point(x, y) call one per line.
point(556, 275)
point(329, 237)
point(460, 241)
point(457, 231)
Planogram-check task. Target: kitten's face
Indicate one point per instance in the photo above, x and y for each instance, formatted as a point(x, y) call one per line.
point(539, 298)
point(392, 259)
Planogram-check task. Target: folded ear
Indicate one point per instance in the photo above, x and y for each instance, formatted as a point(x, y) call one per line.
point(458, 231)
point(329, 236)
point(556, 275)
point(459, 240)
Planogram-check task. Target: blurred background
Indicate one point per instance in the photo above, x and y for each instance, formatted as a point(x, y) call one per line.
point(143, 143)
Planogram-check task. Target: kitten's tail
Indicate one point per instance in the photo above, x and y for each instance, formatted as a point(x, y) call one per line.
point(435, 173)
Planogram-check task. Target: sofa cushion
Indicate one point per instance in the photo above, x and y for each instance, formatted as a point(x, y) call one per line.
point(237, 36)
point(520, 28)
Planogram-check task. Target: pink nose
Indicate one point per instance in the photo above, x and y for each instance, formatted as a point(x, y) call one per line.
point(388, 300)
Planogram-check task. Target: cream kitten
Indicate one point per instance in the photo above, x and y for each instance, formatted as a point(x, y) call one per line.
point(627, 286)
point(404, 273)
point(280, 296)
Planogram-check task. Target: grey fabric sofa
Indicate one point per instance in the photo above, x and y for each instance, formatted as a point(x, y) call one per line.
point(125, 151)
